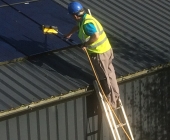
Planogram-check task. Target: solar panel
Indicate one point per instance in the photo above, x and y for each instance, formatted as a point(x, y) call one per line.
point(8, 52)
point(21, 27)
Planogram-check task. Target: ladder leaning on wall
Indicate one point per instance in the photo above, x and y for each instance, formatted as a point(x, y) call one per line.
point(109, 111)
point(112, 117)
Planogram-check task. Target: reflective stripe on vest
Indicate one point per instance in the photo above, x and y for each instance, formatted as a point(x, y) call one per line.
point(99, 43)
point(100, 33)
point(102, 44)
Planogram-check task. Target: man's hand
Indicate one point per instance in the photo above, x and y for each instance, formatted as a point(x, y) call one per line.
point(92, 39)
point(67, 36)
point(83, 48)
point(73, 30)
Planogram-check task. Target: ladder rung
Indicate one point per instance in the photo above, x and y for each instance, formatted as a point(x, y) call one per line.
point(92, 133)
point(120, 125)
point(117, 108)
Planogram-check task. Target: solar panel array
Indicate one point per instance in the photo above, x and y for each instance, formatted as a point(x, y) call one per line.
point(21, 28)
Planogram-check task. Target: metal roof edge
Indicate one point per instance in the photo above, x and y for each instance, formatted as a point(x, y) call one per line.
point(142, 73)
point(24, 2)
point(14, 60)
point(43, 103)
point(38, 54)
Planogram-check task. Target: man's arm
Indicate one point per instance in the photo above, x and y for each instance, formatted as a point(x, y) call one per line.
point(91, 31)
point(73, 30)
point(93, 38)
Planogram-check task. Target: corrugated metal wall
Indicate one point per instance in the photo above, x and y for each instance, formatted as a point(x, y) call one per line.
point(64, 121)
point(146, 101)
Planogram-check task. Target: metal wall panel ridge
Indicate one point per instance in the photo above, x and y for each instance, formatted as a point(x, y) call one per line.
point(42, 77)
point(60, 122)
point(146, 101)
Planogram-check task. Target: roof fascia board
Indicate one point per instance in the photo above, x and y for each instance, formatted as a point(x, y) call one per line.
point(142, 73)
point(43, 104)
point(17, 3)
point(72, 95)
point(38, 54)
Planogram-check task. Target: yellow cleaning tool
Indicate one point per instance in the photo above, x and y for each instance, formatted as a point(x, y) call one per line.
point(49, 29)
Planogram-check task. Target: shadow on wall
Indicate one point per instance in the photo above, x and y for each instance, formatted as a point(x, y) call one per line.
point(153, 122)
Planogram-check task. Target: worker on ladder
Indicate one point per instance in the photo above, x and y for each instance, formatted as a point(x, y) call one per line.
point(94, 39)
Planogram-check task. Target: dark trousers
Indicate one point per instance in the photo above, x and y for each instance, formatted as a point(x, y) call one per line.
point(106, 74)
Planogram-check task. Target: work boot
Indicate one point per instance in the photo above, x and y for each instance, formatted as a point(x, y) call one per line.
point(112, 103)
point(118, 104)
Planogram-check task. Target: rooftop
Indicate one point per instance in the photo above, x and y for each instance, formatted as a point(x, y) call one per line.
point(44, 66)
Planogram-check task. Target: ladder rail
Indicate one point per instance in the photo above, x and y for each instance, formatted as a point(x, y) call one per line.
point(110, 117)
point(105, 110)
point(126, 120)
point(114, 123)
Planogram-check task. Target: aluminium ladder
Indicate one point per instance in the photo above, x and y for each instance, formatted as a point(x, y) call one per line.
point(111, 118)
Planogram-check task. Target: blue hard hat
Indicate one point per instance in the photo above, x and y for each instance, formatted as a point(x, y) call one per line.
point(74, 7)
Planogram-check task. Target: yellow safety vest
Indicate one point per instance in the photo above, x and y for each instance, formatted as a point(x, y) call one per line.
point(102, 44)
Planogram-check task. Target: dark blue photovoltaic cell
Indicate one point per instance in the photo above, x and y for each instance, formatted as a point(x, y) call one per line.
point(8, 52)
point(49, 13)
point(22, 29)
point(15, 1)
point(1, 3)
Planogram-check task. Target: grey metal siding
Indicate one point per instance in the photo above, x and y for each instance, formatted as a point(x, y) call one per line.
point(64, 121)
point(146, 101)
